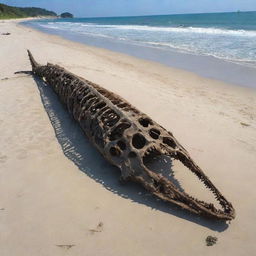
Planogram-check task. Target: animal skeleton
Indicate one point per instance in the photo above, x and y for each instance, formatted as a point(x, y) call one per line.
point(128, 139)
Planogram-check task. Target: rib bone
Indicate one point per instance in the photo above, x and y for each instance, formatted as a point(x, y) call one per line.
point(128, 138)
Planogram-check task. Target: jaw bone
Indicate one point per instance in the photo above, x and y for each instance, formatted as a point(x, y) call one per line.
point(129, 139)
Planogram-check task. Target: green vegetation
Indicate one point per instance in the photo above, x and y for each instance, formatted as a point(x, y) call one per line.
point(9, 12)
point(66, 15)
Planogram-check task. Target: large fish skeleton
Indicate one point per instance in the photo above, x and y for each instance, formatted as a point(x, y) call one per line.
point(128, 139)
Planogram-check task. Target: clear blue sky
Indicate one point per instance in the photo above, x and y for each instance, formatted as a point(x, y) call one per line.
point(101, 8)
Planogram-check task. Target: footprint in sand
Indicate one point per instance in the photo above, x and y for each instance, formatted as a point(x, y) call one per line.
point(22, 154)
point(244, 124)
point(65, 246)
point(3, 158)
point(8, 140)
point(98, 229)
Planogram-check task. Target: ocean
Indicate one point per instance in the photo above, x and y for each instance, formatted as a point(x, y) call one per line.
point(230, 37)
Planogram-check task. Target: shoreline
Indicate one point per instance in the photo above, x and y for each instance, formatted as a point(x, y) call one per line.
point(205, 66)
point(57, 188)
point(19, 20)
point(151, 64)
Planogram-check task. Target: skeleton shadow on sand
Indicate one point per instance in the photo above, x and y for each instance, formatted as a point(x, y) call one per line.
point(78, 149)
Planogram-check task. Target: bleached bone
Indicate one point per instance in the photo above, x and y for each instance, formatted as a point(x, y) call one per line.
point(128, 139)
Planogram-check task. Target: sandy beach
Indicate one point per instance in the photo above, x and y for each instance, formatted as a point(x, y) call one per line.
point(60, 197)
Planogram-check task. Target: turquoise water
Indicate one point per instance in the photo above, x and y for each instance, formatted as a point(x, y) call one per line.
point(227, 36)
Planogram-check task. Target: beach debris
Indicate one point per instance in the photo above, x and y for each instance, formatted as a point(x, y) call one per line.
point(99, 228)
point(65, 246)
point(129, 139)
point(211, 240)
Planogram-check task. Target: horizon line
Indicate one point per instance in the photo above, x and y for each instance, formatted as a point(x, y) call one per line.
point(148, 15)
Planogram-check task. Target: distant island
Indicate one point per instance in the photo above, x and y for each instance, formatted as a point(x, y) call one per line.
point(67, 15)
point(9, 12)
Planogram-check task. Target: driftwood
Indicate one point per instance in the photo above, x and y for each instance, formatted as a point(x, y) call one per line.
point(129, 139)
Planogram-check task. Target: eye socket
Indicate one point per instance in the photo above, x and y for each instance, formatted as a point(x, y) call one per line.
point(145, 122)
point(169, 141)
point(138, 141)
point(154, 133)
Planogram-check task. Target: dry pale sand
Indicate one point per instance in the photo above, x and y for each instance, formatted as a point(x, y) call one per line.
point(60, 197)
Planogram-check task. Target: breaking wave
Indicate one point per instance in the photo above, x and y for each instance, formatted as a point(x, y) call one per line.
point(236, 45)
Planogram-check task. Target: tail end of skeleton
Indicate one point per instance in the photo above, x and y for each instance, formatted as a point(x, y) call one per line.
point(34, 64)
